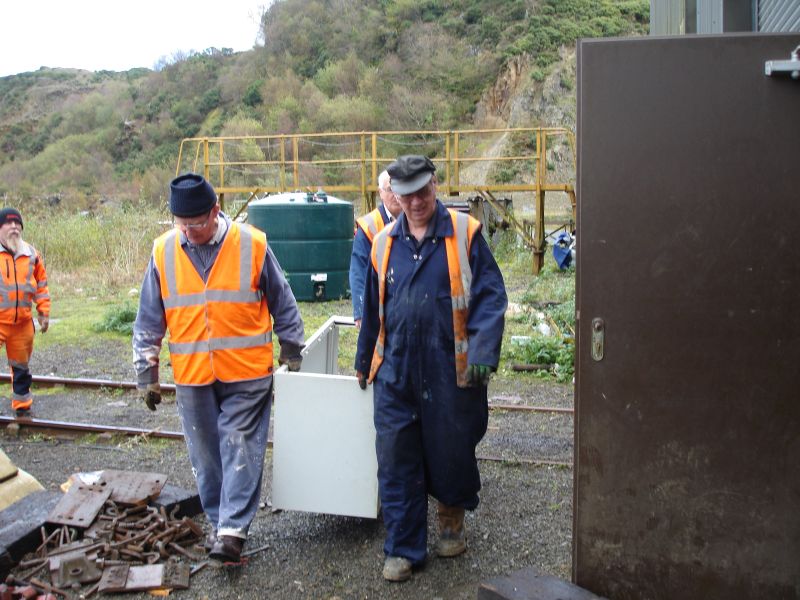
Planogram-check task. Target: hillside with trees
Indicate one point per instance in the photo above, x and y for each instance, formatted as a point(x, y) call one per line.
point(78, 138)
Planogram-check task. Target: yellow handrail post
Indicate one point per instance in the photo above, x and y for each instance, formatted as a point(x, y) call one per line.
point(206, 167)
point(371, 200)
point(295, 159)
point(448, 188)
point(363, 169)
point(456, 166)
point(283, 164)
point(222, 173)
point(180, 157)
point(196, 157)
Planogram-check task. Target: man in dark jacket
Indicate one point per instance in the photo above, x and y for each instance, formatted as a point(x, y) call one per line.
point(432, 325)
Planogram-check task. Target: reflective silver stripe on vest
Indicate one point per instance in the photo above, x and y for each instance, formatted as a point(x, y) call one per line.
point(462, 347)
point(380, 243)
point(226, 343)
point(245, 257)
point(169, 264)
point(8, 304)
point(379, 349)
point(462, 240)
point(212, 296)
point(42, 283)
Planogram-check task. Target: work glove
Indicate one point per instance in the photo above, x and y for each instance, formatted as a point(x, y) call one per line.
point(478, 374)
point(290, 356)
point(362, 380)
point(151, 394)
point(44, 322)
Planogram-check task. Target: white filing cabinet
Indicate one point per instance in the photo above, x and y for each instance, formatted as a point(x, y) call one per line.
point(323, 453)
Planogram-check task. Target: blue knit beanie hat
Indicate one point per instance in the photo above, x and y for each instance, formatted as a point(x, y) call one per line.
point(191, 196)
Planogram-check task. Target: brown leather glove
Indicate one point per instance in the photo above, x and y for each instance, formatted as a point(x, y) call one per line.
point(151, 394)
point(362, 380)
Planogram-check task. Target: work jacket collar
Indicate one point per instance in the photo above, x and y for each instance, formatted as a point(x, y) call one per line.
point(440, 225)
point(25, 249)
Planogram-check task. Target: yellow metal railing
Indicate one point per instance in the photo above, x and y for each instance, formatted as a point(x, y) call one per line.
point(348, 164)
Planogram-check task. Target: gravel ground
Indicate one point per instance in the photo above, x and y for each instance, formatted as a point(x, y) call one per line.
point(524, 518)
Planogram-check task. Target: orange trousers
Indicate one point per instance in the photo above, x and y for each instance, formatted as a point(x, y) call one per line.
point(18, 340)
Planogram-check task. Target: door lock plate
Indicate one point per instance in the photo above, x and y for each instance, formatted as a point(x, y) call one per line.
point(598, 338)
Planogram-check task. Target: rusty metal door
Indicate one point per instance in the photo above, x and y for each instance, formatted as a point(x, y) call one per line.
point(687, 437)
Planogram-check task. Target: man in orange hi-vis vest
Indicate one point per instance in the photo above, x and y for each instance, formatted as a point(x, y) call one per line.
point(367, 227)
point(24, 283)
point(434, 306)
point(216, 286)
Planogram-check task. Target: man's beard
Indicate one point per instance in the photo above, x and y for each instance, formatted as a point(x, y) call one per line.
point(13, 243)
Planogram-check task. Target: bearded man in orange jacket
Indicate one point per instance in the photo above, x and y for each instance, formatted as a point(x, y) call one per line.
point(24, 283)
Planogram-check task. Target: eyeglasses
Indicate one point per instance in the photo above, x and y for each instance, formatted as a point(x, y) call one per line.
point(194, 226)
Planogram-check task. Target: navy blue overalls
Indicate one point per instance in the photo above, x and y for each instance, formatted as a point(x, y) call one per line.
point(427, 427)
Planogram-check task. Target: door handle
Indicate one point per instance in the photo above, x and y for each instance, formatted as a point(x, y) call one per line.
point(780, 67)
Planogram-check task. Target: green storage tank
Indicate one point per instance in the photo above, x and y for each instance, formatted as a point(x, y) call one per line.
point(312, 238)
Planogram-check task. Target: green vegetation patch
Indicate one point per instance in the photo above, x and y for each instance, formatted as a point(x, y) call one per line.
point(118, 319)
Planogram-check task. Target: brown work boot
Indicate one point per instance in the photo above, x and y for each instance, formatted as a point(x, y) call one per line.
point(396, 568)
point(227, 549)
point(452, 539)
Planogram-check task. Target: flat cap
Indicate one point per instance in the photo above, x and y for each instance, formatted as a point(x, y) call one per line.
point(410, 173)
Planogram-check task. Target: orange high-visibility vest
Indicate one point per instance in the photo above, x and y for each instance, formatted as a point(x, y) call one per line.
point(371, 223)
point(458, 246)
point(23, 282)
point(221, 329)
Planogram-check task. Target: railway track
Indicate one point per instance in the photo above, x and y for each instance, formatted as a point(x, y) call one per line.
point(61, 427)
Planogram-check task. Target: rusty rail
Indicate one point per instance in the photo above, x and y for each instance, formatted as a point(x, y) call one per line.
point(78, 382)
point(89, 428)
point(168, 387)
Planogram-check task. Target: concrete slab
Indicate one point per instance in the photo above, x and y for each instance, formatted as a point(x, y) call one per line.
point(20, 524)
point(530, 584)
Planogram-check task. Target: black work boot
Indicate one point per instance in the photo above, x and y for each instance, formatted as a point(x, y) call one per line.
point(452, 538)
point(227, 549)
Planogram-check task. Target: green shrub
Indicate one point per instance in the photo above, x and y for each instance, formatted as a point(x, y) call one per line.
point(118, 319)
point(558, 353)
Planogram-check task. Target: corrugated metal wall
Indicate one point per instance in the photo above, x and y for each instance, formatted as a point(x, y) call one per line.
point(667, 17)
point(778, 15)
point(676, 17)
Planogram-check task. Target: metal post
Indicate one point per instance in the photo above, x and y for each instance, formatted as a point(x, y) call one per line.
point(282, 173)
point(222, 173)
point(447, 163)
point(295, 159)
point(364, 168)
point(538, 234)
point(456, 180)
point(206, 167)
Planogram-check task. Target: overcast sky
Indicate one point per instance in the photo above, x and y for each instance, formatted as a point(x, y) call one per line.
point(117, 35)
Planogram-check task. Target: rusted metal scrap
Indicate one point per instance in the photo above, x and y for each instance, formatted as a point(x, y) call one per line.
point(120, 546)
point(79, 506)
point(126, 578)
point(130, 487)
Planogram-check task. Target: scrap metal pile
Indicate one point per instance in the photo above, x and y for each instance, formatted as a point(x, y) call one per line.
point(107, 536)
